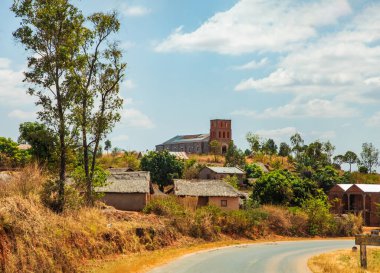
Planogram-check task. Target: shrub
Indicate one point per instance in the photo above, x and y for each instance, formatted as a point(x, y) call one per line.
point(320, 221)
point(169, 206)
point(253, 171)
point(348, 225)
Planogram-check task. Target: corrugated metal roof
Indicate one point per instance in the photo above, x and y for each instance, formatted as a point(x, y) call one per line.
point(363, 187)
point(344, 186)
point(180, 155)
point(127, 182)
point(226, 170)
point(204, 188)
point(369, 187)
point(188, 138)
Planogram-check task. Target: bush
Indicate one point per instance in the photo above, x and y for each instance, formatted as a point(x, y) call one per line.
point(348, 225)
point(253, 171)
point(320, 220)
point(168, 206)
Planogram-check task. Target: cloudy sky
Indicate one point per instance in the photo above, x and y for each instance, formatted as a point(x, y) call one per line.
point(273, 67)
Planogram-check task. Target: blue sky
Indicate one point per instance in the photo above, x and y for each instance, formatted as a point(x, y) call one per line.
point(273, 67)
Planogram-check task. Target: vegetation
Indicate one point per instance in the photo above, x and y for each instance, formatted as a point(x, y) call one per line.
point(163, 167)
point(234, 156)
point(10, 155)
point(345, 261)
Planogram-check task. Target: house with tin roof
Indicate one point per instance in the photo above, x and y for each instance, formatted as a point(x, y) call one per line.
point(358, 199)
point(210, 172)
point(126, 190)
point(209, 192)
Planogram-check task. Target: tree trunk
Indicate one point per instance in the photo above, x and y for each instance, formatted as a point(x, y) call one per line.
point(62, 169)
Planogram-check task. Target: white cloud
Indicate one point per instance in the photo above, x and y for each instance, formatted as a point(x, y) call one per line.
point(374, 121)
point(256, 25)
point(12, 89)
point(315, 108)
point(252, 65)
point(135, 118)
point(22, 115)
point(128, 85)
point(277, 134)
point(134, 11)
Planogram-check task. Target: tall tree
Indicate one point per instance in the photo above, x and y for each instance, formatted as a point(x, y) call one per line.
point(254, 142)
point(270, 147)
point(329, 149)
point(51, 33)
point(297, 143)
point(107, 145)
point(369, 156)
point(234, 156)
point(350, 158)
point(284, 149)
point(215, 148)
point(95, 77)
point(339, 160)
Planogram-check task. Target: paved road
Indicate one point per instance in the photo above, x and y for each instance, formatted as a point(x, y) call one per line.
point(277, 257)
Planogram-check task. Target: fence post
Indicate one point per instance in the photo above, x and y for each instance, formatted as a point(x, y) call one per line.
point(363, 256)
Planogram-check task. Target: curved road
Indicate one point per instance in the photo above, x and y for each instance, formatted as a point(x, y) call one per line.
point(276, 257)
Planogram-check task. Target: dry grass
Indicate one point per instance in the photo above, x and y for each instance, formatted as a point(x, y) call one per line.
point(208, 159)
point(345, 261)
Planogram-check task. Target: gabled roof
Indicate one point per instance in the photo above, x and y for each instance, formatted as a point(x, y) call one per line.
point(179, 155)
point(344, 187)
point(363, 187)
point(204, 188)
point(188, 138)
point(127, 182)
point(226, 170)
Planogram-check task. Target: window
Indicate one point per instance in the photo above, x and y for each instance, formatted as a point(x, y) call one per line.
point(220, 134)
point(223, 203)
point(224, 134)
point(228, 134)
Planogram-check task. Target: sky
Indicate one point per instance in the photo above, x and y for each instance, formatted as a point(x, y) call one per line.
point(274, 67)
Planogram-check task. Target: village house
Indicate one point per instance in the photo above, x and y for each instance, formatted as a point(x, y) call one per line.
point(221, 173)
point(220, 130)
point(357, 198)
point(126, 190)
point(209, 192)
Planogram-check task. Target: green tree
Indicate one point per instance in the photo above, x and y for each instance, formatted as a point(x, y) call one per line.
point(297, 143)
point(284, 149)
point(270, 147)
point(42, 140)
point(95, 79)
point(339, 160)
point(254, 142)
point(163, 167)
point(273, 188)
point(232, 180)
point(369, 156)
point(350, 158)
point(326, 177)
point(51, 33)
point(107, 145)
point(215, 148)
point(234, 156)
point(328, 149)
point(11, 155)
point(253, 171)
point(320, 219)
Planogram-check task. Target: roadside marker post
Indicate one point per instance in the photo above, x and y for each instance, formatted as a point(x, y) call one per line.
point(363, 241)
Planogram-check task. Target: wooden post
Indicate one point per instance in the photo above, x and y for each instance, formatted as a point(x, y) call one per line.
point(363, 256)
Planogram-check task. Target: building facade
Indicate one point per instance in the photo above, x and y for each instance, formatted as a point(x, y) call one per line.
point(220, 130)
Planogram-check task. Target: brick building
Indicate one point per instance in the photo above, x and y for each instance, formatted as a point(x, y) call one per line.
point(220, 130)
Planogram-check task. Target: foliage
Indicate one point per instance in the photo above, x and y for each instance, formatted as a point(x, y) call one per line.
point(234, 156)
point(254, 142)
point(163, 167)
point(232, 180)
point(284, 149)
point(42, 140)
point(303, 189)
point(350, 158)
point(369, 156)
point(320, 221)
point(130, 158)
point(363, 169)
point(326, 178)
point(215, 148)
point(297, 144)
point(253, 170)
point(99, 179)
point(269, 147)
point(274, 188)
point(192, 169)
point(11, 155)
point(107, 145)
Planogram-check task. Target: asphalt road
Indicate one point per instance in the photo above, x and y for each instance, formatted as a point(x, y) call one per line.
point(276, 257)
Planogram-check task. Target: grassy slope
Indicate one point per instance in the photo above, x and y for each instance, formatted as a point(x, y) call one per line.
point(345, 261)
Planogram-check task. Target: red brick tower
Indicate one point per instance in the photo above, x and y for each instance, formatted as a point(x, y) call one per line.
point(220, 130)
